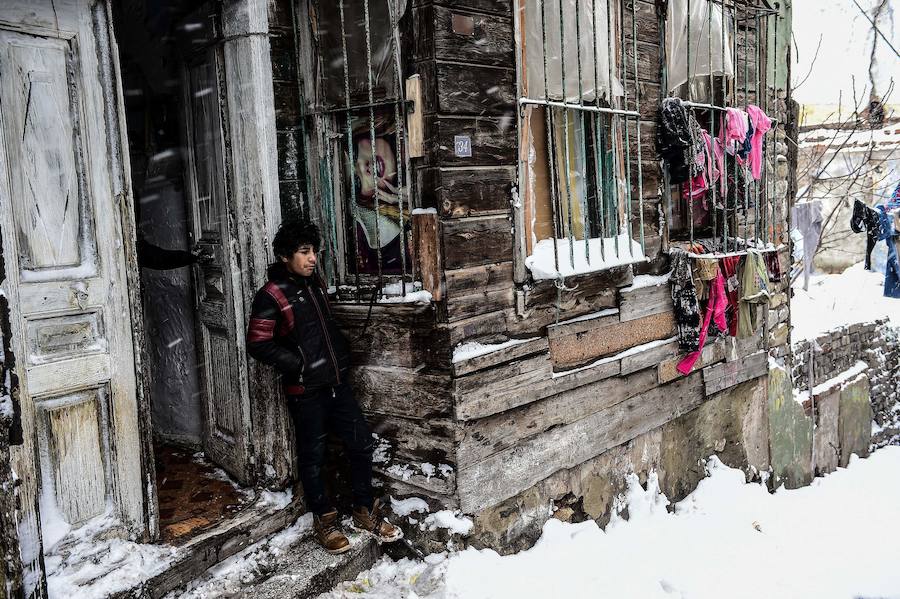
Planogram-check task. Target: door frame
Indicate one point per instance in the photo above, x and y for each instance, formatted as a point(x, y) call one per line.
point(251, 172)
point(253, 199)
point(254, 204)
point(112, 80)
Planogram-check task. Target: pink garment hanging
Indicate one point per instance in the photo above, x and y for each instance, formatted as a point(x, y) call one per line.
point(735, 129)
point(761, 124)
point(715, 309)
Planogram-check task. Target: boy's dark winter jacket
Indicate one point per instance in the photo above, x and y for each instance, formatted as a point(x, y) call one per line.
point(291, 328)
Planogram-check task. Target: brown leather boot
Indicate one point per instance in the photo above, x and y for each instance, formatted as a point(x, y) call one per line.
point(373, 522)
point(328, 534)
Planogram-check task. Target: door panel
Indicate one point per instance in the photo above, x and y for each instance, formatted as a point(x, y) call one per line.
point(66, 269)
point(74, 452)
point(227, 431)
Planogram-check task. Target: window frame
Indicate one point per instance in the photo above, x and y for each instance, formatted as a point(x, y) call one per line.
point(327, 139)
point(621, 110)
point(762, 12)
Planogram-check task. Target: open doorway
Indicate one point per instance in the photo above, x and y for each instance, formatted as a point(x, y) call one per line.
point(172, 81)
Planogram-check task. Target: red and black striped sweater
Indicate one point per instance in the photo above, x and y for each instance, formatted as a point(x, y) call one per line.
point(292, 329)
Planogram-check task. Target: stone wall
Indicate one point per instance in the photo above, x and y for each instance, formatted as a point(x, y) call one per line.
point(875, 343)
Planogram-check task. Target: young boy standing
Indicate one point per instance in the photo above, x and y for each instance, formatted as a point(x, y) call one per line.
point(292, 329)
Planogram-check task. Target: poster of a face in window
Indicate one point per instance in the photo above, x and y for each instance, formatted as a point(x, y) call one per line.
point(378, 225)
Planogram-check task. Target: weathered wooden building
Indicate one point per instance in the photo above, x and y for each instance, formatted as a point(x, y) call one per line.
point(497, 232)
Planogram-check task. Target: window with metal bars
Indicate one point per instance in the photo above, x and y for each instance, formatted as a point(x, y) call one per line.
point(354, 130)
point(717, 62)
point(577, 122)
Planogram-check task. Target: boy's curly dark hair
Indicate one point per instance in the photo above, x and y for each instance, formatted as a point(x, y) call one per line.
point(294, 233)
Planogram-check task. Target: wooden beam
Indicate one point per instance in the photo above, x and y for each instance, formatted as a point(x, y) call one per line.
point(402, 391)
point(476, 240)
point(576, 343)
point(426, 236)
point(414, 120)
point(499, 389)
point(644, 301)
point(526, 348)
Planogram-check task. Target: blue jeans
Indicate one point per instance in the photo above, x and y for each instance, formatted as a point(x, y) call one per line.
point(317, 413)
point(892, 266)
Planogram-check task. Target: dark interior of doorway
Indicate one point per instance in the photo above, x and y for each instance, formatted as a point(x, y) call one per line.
point(193, 494)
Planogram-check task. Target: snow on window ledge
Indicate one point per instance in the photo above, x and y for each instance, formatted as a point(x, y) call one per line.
point(542, 265)
point(391, 293)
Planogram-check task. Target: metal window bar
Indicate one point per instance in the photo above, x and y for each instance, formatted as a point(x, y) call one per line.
point(327, 126)
point(760, 11)
point(588, 119)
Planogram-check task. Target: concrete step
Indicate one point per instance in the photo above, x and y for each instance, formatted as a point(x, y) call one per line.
point(309, 570)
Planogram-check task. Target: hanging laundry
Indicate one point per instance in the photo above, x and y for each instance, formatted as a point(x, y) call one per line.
point(676, 140)
point(754, 291)
point(866, 219)
point(807, 218)
point(734, 130)
point(760, 123)
point(730, 267)
point(892, 266)
point(715, 311)
point(684, 301)
point(704, 270)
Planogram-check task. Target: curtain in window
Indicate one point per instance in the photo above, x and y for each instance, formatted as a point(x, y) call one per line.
point(705, 28)
point(578, 40)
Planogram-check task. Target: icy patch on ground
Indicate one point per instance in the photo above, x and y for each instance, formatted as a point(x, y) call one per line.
point(382, 452)
point(728, 538)
point(228, 578)
point(85, 568)
point(856, 295)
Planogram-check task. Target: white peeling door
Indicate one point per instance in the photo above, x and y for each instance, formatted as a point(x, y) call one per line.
point(61, 193)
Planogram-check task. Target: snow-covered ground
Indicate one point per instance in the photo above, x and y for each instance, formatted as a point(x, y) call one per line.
point(836, 539)
point(855, 295)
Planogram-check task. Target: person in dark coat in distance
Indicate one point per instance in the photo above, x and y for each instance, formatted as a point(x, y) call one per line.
point(291, 328)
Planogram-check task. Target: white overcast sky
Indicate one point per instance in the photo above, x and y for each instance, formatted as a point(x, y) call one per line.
point(845, 49)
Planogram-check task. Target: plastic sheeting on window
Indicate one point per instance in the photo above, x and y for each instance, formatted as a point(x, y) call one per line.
point(706, 59)
point(577, 18)
point(328, 36)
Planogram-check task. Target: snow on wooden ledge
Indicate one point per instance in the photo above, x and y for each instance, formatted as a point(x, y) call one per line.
point(542, 265)
point(473, 349)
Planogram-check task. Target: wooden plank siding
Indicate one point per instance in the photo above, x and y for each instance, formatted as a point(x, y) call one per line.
point(531, 460)
point(576, 386)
